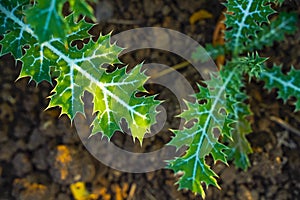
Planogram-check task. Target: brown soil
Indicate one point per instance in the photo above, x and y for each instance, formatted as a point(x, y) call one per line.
point(41, 155)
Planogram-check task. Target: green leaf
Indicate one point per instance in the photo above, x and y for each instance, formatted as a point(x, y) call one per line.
point(122, 103)
point(81, 7)
point(202, 137)
point(278, 2)
point(77, 30)
point(253, 64)
point(36, 64)
point(46, 18)
point(243, 21)
point(38, 59)
point(9, 9)
point(239, 147)
point(81, 70)
point(285, 23)
point(288, 85)
point(15, 36)
point(114, 93)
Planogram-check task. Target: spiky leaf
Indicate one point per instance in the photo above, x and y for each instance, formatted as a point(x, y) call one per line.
point(81, 70)
point(46, 18)
point(239, 147)
point(15, 36)
point(285, 23)
point(243, 21)
point(120, 102)
point(288, 85)
point(252, 64)
point(81, 7)
point(77, 30)
point(202, 137)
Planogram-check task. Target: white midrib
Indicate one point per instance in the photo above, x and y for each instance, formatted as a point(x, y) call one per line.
point(286, 84)
point(246, 12)
point(220, 92)
point(52, 7)
point(73, 65)
point(273, 31)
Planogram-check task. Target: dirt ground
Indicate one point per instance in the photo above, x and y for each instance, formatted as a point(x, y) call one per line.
point(41, 155)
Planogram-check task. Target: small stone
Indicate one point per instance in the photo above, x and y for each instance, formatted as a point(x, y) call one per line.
point(36, 139)
point(272, 190)
point(6, 112)
point(7, 150)
point(244, 193)
point(39, 160)
point(25, 190)
point(21, 145)
point(21, 129)
point(255, 194)
point(31, 100)
point(21, 164)
point(66, 165)
point(228, 175)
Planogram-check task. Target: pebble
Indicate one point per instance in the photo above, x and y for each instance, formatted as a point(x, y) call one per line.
point(25, 190)
point(7, 150)
point(244, 193)
point(21, 164)
point(36, 139)
point(228, 175)
point(69, 164)
point(21, 129)
point(39, 159)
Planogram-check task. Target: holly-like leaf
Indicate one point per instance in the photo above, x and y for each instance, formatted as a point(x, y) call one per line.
point(252, 64)
point(285, 23)
point(77, 30)
point(36, 64)
point(11, 9)
point(46, 18)
point(80, 70)
point(288, 85)
point(202, 138)
point(15, 36)
point(223, 113)
point(278, 2)
point(243, 21)
point(81, 7)
point(138, 111)
point(239, 147)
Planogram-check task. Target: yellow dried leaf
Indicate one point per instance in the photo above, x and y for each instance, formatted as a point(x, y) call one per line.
point(79, 191)
point(200, 15)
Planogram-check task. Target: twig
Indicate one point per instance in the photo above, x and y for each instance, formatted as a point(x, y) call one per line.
point(166, 71)
point(285, 125)
point(132, 191)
